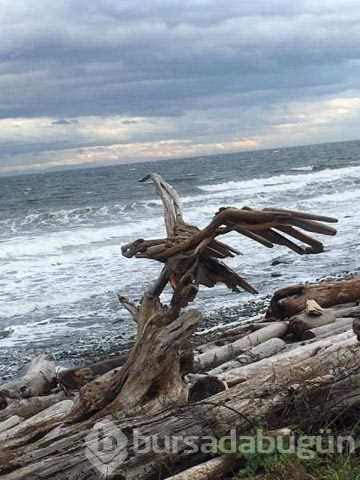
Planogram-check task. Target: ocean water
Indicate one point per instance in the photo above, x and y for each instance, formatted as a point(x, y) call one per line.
point(61, 232)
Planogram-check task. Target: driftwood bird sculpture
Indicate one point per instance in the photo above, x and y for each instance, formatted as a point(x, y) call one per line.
point(153, 374)
point(193, 256)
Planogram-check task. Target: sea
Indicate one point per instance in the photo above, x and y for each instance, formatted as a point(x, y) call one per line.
point(61, 232)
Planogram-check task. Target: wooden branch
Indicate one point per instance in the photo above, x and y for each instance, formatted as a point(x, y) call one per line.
point(130, 307)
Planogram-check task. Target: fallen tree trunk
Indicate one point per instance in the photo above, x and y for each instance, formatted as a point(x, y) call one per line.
point(10, 423)
point(341, 325)
point(343, 311)
point(324, 384)
point(290, 301)
point(220, 355)
point(302, 322)
point(224, 334)
point(264, 350)
point(288, 359)
point(31, 428)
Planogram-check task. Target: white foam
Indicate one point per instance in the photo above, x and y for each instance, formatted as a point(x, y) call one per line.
point(308, 168)
point(282, 181)
point(54, 243)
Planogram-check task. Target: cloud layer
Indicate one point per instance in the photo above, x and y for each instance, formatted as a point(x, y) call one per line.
point(107, 81)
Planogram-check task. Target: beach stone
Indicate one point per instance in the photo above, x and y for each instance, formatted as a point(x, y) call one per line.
point(282, 260)
point(6, 332)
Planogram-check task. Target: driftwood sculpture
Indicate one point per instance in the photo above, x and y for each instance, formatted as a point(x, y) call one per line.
point(153, 374)
point(192, 257)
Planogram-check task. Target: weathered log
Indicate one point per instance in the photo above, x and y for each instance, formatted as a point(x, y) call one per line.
point(225, 334)
point(220, 355)
point(39, 379)
point(344, 311)
point(292, 300)
point(345, 315)
point(341, 325)
point(27, 407)
point(10, 423)
point(32, 427)
point(261, 351)
point(330, 382)
point(302, 322)
point(288, 359)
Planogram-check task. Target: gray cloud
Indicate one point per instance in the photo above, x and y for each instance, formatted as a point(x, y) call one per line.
point(211, 68)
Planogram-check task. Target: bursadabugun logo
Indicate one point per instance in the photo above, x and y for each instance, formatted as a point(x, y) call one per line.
point(106, 444)
point(106, 447)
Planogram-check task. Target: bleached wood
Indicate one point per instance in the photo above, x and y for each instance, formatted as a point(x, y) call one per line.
point(341, 325)
point(264, 350)
point(32, 426)
point(10, 423)
point(241, 407)
point(289, 358)
point(313, 308)
point(220, 355)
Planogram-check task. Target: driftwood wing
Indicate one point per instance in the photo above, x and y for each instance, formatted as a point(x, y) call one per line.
point(274, 227)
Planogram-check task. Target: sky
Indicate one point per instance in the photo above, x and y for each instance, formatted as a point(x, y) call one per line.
point(109, 81)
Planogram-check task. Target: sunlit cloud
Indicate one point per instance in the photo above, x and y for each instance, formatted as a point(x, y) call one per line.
point(98, 155)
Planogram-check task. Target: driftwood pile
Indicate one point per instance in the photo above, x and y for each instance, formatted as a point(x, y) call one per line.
point(302, 352)
point(248, 373)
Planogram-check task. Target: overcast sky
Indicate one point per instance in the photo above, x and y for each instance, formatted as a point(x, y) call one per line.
point(106, 81)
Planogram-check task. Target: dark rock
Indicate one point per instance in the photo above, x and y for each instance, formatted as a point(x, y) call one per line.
point(282, 260)
point(6, 332)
